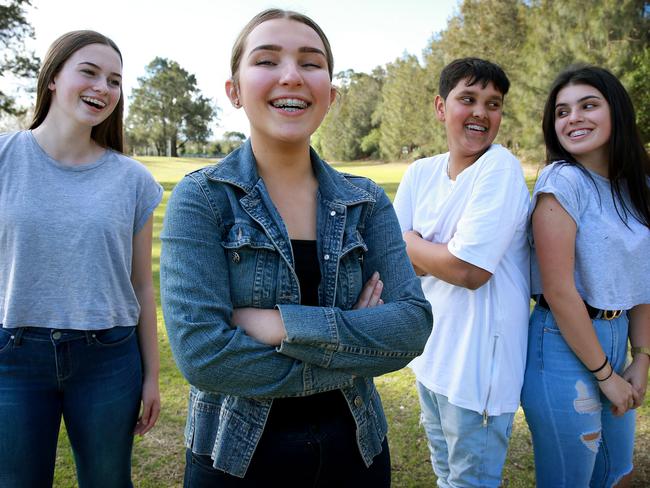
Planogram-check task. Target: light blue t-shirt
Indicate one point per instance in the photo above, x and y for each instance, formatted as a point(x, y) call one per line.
point(612, 265)
point(66, 237)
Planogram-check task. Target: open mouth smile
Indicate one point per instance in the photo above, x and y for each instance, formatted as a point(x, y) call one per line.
point(577, 133)
point(93, 102)
point(290, 104)
point(476, 128)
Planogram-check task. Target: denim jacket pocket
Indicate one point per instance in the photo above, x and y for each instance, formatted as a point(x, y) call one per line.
point(253, 263)
point(351, 270)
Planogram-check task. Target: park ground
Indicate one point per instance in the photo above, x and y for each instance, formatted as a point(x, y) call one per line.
point(158, 457)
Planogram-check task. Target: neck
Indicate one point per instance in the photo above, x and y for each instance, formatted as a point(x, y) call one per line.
point(596, 162)
point(282, 164)
point(458, 163)
point(67, 143)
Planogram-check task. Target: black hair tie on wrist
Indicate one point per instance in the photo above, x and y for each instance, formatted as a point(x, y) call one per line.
point(598, 369)
point(611, 372)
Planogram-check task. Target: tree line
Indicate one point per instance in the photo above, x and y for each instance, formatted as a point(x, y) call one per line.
point(388, 113)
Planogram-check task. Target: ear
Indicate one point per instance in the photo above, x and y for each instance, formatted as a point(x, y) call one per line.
point(439, 104)
point(52, 85)
point(232, 91)
point(333, 93)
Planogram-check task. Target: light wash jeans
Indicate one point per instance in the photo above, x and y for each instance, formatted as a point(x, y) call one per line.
point(576, 439)
point(464, 450)
point(91, 378)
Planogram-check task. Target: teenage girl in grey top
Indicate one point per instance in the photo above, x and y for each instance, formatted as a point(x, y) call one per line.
point(591, 230)
point(77, 313)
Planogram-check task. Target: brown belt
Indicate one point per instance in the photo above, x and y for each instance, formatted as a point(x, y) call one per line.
point(594, 313)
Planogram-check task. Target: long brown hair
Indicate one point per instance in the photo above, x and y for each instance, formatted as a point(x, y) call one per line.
point(109, 133)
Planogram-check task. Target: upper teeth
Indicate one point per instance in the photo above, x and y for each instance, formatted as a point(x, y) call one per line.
point(94, 101)
point(289, 103)
point(476, 127)
point(579, 132)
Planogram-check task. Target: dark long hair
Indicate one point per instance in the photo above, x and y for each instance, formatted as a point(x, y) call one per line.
point(628, 163)
point(110, 132)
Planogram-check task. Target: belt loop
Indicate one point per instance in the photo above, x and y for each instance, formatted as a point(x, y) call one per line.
point(90, 337)
point(18, 336)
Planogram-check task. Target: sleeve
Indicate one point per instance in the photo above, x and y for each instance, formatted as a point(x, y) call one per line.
point(371, 341)
point(559, 181)
point(403, 202)
point(497, 208)
point(150, 195)
point(196, 303)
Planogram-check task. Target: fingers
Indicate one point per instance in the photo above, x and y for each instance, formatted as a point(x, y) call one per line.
point(371, 293)
point(147, 420)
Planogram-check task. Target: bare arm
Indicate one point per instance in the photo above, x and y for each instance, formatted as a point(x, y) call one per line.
point(555, 234)
point(435, 259)
point(147, 327)
point(639, 333)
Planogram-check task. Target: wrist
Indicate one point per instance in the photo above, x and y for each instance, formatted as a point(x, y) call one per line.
point(603, 374)
point(640, 351)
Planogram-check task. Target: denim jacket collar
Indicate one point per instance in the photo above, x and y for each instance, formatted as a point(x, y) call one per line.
point(239, 168)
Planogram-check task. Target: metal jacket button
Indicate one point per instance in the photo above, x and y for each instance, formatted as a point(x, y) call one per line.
point(235, 257)
point(56, 335)
point(358, 402)
point(332, 213)
point(326, 257)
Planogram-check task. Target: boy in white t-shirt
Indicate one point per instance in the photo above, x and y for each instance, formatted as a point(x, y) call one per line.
point(463, 214)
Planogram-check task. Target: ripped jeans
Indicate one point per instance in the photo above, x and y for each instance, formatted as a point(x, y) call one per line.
point(577, 440)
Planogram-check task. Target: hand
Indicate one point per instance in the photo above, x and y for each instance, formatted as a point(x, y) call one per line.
point(621, 393)
point(150, 407)
point(371, 294)
point(264, 325)
point(637, 375)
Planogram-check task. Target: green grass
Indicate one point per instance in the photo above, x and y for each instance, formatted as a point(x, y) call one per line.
point(158, 457)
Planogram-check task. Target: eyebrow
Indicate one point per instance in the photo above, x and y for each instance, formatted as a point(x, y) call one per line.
point(586, 97)
point(275, 47)
point(99, 67)
point(474, 92)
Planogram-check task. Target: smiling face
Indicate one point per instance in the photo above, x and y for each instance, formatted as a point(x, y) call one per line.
point(283, 82)
point(87, 88)
point(583, 124)
point(472, 115)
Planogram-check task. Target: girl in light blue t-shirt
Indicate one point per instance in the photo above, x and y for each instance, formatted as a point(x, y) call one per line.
point(77, 312)
point(590, 224)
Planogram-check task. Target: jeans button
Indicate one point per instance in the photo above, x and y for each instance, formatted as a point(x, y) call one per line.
point(56, 335)
point(358, 401)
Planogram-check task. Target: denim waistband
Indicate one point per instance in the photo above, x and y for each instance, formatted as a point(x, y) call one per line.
point(45, 334)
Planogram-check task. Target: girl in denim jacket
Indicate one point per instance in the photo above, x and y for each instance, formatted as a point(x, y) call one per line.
point(591, 228)
point(263, 266)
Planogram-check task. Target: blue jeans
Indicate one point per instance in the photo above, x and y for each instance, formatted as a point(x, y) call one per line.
point(576, 439)
point(465, 451)
point(91, 378)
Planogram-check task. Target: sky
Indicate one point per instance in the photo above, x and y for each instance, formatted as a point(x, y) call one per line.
point(199, 34)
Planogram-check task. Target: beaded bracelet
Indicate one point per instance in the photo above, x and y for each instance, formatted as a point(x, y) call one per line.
point(598, 369)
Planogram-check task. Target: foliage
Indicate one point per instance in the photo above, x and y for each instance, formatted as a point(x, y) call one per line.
point(533, 40)
point(167, 109)
point(350, 118)
point(15, 60)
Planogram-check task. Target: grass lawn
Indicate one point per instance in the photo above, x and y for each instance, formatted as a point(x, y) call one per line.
point(158, 457)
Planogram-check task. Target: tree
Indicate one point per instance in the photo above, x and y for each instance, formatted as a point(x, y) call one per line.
point(406, 111)
point(167, 109)
point(15, 59)
point(350, 119)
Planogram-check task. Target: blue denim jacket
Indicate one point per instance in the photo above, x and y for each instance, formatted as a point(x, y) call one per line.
point(225, 246)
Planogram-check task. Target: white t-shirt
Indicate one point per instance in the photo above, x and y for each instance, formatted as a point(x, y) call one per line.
point(476, 354)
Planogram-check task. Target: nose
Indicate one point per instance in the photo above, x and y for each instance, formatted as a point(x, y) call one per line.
point(101, 85)
point(479, 111)
point(575, 116)
point(291, 75)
